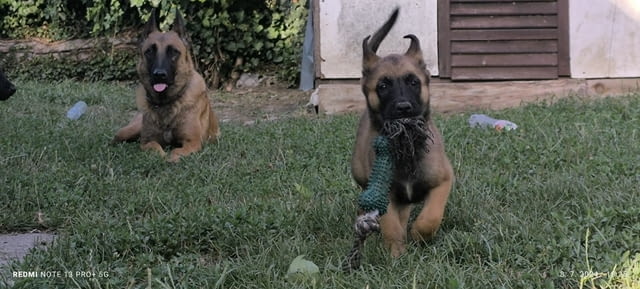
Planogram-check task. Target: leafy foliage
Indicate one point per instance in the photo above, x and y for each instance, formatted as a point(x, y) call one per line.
point(228, 36)
point(55, 19)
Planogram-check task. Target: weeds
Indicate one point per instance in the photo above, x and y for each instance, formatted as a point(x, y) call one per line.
point(526, 206)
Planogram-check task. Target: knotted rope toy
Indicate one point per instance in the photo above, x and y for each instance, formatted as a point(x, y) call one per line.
point(373, 201)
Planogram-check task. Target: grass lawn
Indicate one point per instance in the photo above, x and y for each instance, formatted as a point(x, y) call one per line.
point(554, 204)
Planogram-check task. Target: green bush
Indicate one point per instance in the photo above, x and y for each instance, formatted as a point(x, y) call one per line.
point(228, 36)
point(54, 19)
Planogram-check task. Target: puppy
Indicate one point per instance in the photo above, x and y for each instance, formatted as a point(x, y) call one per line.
point(396, 88)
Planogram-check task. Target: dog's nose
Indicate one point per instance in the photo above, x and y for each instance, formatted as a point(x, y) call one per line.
point(160, 74)
point(403, 106)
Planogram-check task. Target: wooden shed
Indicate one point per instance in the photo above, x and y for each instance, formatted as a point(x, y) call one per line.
point(485, 53)
point(489, 40)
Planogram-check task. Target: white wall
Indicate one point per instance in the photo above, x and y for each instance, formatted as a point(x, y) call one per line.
point(604, 38)
point(345, 23)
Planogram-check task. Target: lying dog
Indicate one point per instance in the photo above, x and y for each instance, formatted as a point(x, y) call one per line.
point(396, 88)
point(173, 107)
point(7, 89)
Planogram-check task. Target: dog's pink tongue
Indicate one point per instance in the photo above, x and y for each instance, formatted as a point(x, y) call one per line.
point(159, 87)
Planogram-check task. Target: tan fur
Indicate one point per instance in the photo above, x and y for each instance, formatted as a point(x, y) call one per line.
point(437, 174)
point(188, 121)
point(393, 65)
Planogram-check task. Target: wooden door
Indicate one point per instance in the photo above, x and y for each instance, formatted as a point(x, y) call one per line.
point(503, 39)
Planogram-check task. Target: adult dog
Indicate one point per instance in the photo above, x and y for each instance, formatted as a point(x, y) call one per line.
point(7, 89)
point(396, 88)
point(173, 107)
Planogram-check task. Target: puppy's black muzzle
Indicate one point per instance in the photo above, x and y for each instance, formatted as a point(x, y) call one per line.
point(403, 107)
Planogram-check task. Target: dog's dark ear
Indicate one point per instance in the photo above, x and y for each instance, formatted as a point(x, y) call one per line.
point(414, 50)
point(369, 48)
point(152, 24)
point(369, 57)
point(179, 26)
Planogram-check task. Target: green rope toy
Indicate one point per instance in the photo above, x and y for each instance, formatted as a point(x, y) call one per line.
point(373, 201)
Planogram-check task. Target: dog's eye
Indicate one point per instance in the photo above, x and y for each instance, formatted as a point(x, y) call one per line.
point(150, 51)
point(383, 84)
point(412, 80)
point(173, 53)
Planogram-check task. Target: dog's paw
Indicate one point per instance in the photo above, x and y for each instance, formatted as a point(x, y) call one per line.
point(174, 158)
point(116, 140)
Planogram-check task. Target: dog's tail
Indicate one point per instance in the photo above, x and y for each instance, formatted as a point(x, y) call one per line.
point(371, 43)
point(377, 37)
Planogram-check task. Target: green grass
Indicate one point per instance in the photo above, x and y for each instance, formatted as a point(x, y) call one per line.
point(554, 204)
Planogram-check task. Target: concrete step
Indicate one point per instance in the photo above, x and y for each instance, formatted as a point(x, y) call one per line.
point(450, 97)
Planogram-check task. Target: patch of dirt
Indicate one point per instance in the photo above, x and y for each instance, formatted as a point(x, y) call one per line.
point(16, 246)
point(248, 105)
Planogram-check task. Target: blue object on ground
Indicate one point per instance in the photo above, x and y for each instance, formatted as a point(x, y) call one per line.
point(77, 110)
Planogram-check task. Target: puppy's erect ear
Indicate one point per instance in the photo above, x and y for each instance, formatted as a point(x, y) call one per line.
point(152, 24)
point(369, 57)
point(179, 26)
point(414, 50)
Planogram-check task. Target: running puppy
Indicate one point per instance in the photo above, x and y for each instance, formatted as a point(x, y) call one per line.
point(396, 88)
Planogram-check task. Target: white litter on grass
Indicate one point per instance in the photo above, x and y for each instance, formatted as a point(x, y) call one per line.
point(301, 269)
